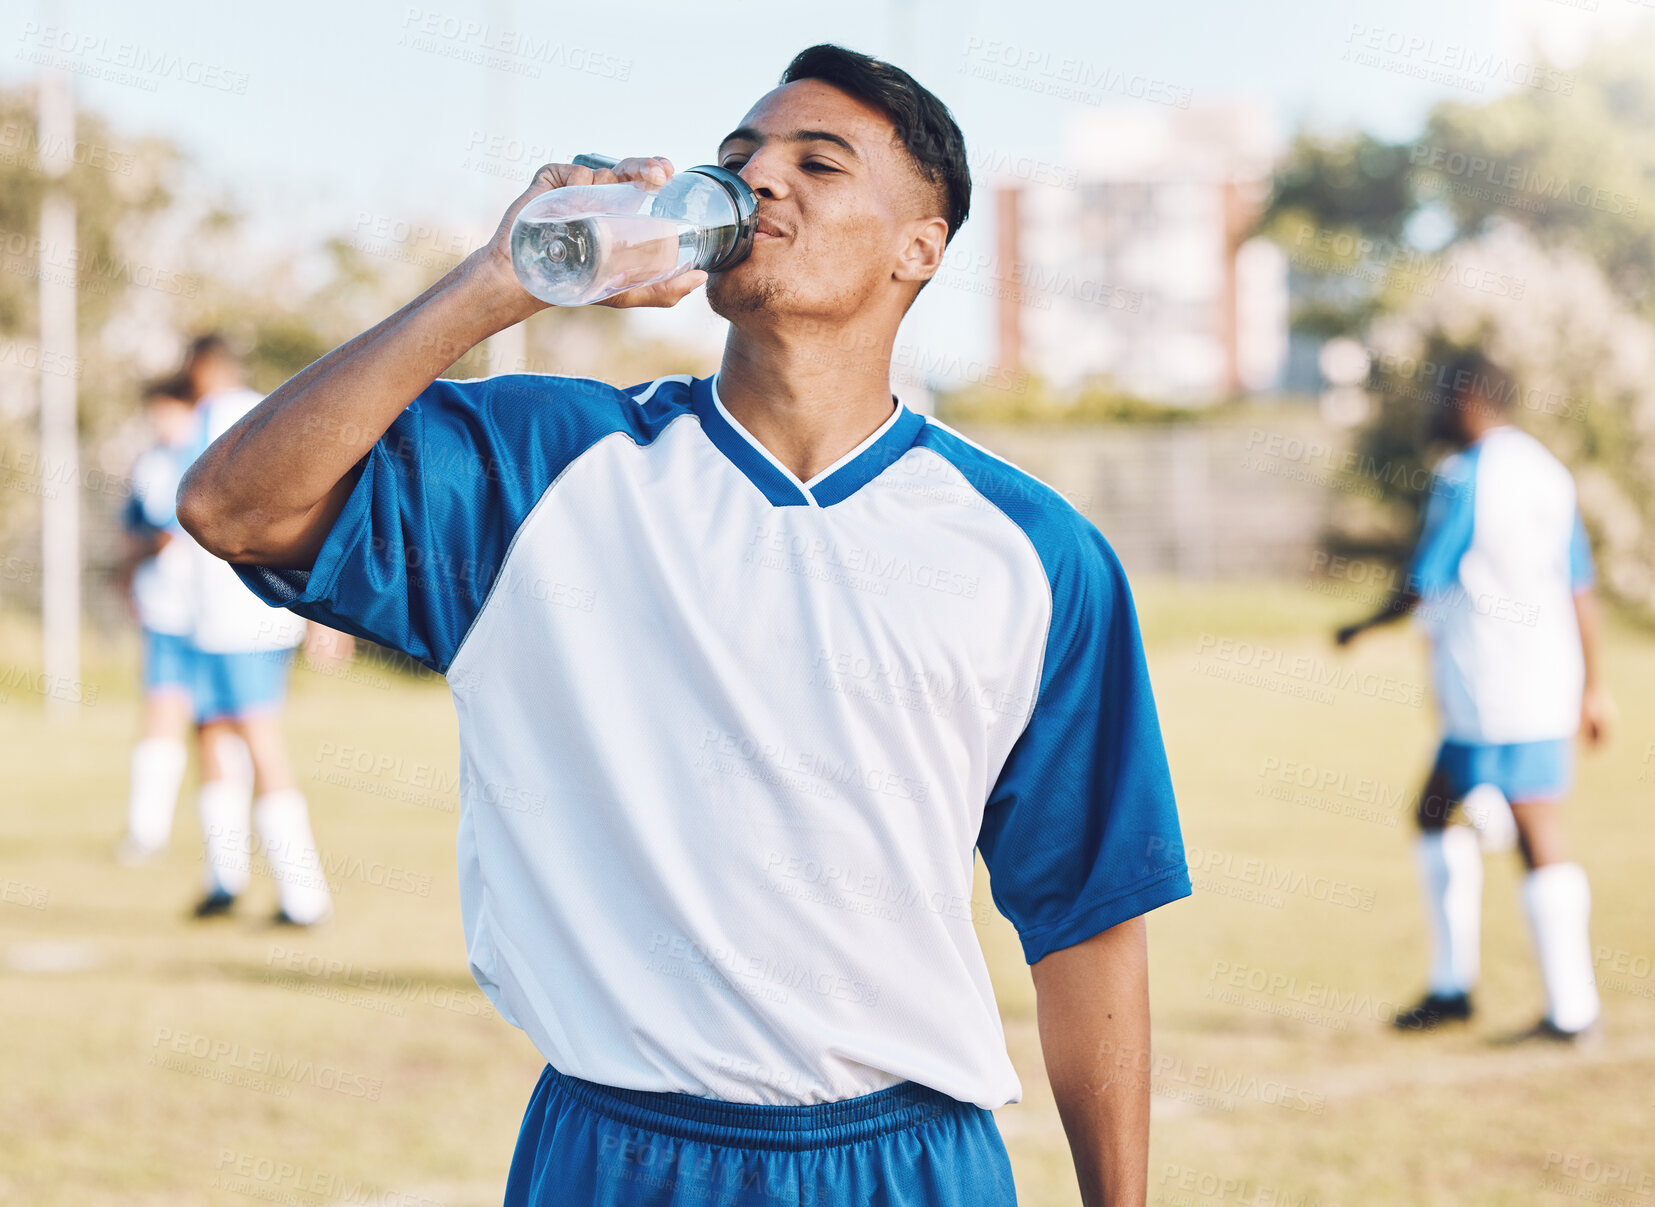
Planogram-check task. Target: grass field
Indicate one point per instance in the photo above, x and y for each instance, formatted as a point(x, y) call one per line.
point(148, 1060)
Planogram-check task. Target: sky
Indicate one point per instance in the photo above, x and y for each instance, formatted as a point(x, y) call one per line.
point(333, 117)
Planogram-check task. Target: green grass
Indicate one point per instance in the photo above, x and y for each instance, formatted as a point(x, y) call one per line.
point(1293, 1092)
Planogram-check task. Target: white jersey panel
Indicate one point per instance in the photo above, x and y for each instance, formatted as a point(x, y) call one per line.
point(649, 652)
point(163, 586)
point(229, 618)
point(1507, 659)
point(730, 742)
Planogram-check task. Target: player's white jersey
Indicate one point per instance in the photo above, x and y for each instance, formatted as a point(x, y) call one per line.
point(730, 740)
point(230, 619)
point(163, 586)
point(1502, 553)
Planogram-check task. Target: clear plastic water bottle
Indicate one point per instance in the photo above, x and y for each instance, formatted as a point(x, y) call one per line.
point(580, 244)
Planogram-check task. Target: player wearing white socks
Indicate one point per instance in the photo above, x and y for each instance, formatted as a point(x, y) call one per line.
point(1502, 580)
point(243, 654)
point(157, 571)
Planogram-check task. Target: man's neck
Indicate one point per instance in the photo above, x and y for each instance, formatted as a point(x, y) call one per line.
point(809, 399)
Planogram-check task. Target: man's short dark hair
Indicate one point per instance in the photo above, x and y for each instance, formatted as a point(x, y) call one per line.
point(924, 126)
point(211, 346)
point(175, 387)
point(1472, 374)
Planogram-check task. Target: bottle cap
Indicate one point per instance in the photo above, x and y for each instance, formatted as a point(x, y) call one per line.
point(746, 206)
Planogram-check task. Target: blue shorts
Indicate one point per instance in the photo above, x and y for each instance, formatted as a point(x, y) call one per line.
point(587, 1145)
point(169, 662)
point(235, 685)
point(1522, 771)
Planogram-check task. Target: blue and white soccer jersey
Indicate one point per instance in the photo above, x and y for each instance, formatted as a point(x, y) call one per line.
point(244, 650)
point(729, 740)
point(163, 585)
point(1502, 553)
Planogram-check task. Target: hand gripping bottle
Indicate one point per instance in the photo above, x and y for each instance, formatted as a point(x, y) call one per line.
point(583, 243)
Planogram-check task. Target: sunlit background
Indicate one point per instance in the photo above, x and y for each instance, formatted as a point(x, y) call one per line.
point(1217, 259)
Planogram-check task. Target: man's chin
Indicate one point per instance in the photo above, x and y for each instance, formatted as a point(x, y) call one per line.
point(731, 294)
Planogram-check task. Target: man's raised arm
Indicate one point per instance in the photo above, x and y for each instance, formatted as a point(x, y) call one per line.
point(268, 491)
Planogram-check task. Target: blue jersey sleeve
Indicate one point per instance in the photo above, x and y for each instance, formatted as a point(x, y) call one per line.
point(1450, 512)
point(1582, 571)
point(1081, 830)
point(411, 558)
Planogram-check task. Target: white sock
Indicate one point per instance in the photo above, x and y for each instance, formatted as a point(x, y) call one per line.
point(235, 761)
point(1451, 874)
point(157, 774)
point(1558, 901)
point(284, 828)
point(1487, 809)
point(223, 805)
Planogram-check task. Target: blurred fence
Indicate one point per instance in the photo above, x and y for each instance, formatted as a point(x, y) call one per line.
point(1215, 499)
point(1209, 499)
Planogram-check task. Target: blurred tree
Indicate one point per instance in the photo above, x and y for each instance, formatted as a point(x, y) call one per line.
point(117, 184)
point(163, 255)
point(1525, 226)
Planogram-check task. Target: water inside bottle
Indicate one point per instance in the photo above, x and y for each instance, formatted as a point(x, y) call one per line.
point(577, 260)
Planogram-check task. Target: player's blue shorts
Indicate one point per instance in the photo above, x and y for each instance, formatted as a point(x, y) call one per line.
point(236, 685)
point(169, 662)
point(1522, 771)
point(586, 1145)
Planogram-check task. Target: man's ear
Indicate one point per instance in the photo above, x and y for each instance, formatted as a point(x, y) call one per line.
point(922, 255)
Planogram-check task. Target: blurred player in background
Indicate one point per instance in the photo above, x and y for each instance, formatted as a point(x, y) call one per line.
point(1503, 579)
point(243, 654)
point(158, 571)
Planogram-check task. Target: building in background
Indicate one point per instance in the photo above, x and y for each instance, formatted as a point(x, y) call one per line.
point(1143, 274)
